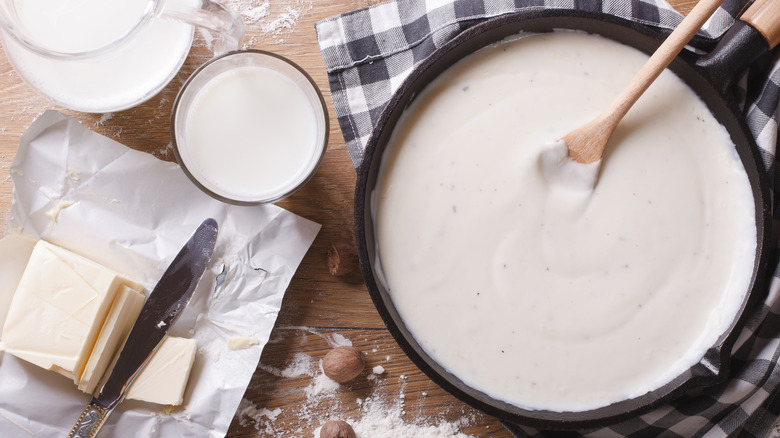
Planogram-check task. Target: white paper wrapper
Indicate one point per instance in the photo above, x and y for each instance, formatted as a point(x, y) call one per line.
point(132, 212)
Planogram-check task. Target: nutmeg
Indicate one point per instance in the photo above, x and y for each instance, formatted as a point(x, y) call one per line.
point(337, 429)
point(342, 258)
point(343, 364)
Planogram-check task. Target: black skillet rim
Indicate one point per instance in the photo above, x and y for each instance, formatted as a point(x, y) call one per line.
point(644, 38)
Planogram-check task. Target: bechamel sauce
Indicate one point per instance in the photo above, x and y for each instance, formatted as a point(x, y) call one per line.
point(543, 296)
point(250, 133)
point(561, 171)
point(130, 74)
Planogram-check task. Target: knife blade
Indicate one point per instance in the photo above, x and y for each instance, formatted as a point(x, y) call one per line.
point(164, 305)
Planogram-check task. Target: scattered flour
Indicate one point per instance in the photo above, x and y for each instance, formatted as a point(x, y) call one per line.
point(163, 152)
point(321, 386)
point(301, 365)
point(248, 409)
point(253, 14)
point(104, 118)
point(251, 11)
point(286, 20)
point(376, 415)
point(378, 420)
point(260, 417)
point(257, 15)
point(338, 340)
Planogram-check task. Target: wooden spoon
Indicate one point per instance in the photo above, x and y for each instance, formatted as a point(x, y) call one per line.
point(586, 144)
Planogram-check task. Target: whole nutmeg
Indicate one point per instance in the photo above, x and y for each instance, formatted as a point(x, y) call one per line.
point(343, 364)
point(337, 429)
point(342, 258)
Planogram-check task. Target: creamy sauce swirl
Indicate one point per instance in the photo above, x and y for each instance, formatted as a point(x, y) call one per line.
point(543, 296)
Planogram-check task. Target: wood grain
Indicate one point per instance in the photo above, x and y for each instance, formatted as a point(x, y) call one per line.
point(764, 15)
point(317, 306)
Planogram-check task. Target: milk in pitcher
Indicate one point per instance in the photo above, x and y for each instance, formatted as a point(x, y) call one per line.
point(128, 74)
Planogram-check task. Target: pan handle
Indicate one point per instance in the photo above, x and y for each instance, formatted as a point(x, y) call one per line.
point(764, 16)
point(757, 32)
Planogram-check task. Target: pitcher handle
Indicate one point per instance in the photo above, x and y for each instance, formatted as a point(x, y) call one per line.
point(212, 16)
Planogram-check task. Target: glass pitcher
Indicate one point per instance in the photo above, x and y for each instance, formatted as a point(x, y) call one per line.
point(103, 56)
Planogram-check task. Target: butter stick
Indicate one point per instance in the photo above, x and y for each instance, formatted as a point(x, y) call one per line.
point(124, 311)
point(164, 378)
point(58, 309)
point(71, 315)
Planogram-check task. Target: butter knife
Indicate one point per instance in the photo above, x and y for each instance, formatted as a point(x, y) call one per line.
point(169, 297)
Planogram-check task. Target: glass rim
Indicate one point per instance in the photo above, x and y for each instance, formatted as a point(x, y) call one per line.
point(321, 141)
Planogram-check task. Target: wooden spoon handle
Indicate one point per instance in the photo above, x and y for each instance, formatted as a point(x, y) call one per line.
point(663, 56)
point(765, 17)
point(587, 144)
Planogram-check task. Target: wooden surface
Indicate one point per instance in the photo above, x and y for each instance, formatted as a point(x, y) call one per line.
point(318, 308)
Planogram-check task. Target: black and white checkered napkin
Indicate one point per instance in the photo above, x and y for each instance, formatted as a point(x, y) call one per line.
point(369, 52)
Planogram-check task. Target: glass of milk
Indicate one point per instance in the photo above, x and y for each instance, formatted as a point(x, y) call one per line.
point(249, 127)
point(101, 56)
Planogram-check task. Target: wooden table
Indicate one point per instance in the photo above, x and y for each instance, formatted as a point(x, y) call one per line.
point(317, 306)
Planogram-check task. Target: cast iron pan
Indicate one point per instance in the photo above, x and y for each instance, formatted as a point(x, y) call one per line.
point(709, 75)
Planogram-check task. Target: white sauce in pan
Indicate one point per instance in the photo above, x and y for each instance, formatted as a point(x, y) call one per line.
point(543, 296)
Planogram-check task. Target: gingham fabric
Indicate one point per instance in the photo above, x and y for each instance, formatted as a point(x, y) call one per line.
point(369, 52)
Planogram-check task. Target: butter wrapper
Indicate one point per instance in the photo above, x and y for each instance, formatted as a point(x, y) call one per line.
point(132, 213)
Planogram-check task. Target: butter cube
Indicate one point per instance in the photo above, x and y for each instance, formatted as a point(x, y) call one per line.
point(124, 311)
point(72, 315)
point(164, 378)
point(59, 308)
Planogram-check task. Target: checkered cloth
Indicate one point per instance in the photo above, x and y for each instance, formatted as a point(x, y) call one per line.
point(369, 52)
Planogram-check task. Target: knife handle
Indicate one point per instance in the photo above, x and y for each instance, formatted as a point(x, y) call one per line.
point(90, 421)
